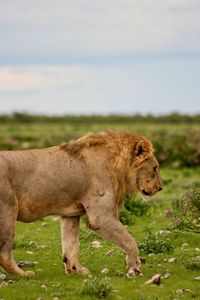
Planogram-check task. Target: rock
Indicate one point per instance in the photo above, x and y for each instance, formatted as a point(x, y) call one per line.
point(55, 298)
point(184, 246)
point(32, 243)
point(2, 277)
point(44, 287)
point(197, 278)
point(44, 224)
point(105, 271)
point(159, 265)
point(96, 244)
point(29, 252)
point(197, 249)
point(166, 275)
point(155, 280)
point(25, 263)
point(109, 252)
point(171, 260)
point(182, 291)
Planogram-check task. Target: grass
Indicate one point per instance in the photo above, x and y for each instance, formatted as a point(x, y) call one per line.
point(39, 242)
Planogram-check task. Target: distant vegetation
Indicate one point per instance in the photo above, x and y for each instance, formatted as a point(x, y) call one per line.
point(174, 118)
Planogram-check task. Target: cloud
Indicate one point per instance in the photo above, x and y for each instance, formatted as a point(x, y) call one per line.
point(146, 87)
point(60, 30)
point(30, 78)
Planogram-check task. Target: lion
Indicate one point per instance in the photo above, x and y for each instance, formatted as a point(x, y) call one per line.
point(89, 176)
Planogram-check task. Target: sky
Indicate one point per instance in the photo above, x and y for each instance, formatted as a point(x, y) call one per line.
point(100, 57)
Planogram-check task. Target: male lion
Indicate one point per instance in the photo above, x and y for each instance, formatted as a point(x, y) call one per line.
point(88, 176)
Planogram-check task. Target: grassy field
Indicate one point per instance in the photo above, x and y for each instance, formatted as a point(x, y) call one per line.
point(40, 241)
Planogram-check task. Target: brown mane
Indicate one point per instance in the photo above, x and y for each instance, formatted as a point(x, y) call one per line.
point(121, 147)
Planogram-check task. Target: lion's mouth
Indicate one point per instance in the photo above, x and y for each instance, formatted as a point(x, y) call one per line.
point(145, 193)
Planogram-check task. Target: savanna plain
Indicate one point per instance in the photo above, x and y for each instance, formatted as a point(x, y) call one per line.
point(166, 227)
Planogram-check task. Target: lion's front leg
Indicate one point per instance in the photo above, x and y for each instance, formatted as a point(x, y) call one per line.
point(70, 245)
point(101, 218)
point(113, 231)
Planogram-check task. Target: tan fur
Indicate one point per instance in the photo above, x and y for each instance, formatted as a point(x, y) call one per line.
point(91, 175)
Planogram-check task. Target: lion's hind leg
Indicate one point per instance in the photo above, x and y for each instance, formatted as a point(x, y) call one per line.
point(8, 215)
point(70, 245)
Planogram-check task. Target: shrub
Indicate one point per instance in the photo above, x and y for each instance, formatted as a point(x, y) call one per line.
point(156, 243)
point(96, 286)
point(192, 263)
point(136, 206)
point(186, 211)
point(126, 217)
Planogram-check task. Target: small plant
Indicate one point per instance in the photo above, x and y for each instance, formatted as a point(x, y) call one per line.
point(96, 286)
point(136, 206)
point(185, 213)
point(126, 217)
point(192, 263)
point(156, 243)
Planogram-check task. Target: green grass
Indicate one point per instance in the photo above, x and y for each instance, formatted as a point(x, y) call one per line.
point(50, 281)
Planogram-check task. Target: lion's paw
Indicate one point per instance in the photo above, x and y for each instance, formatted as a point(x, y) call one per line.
point(133, 271)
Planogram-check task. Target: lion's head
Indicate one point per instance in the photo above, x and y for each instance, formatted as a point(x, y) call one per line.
point(148, 179)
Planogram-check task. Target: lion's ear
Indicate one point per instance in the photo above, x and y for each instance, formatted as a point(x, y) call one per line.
point(143, 149)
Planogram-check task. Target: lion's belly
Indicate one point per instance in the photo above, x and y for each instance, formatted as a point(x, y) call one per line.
point(30, 210)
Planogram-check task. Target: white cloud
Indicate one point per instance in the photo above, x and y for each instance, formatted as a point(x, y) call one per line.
point(156, 87)
point(30, 78)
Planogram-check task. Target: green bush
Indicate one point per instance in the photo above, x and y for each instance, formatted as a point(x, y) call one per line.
point(136, 205)
point(186, 211)
point(97, 286)
point(126, 217)
point(192, 263)
point(156, 243)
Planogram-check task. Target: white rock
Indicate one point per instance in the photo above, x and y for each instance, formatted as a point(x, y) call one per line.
point(29, 252)
point(32, 243)
point(197, 249)
point(197, 278)
point(44, 224)
point(2, 277)
point(109, 252)
point(44, 287)
point(96, 244)
point(184, 246)
point(171, 260)
point(154, 280)
point(166, 275)
point(105, 271)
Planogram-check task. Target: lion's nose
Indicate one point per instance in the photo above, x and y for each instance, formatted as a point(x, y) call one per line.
point(160, 189)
